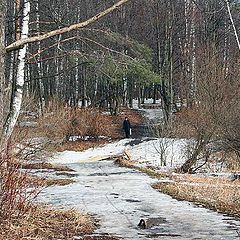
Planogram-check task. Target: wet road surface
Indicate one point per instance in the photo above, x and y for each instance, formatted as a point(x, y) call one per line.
point(120, 197)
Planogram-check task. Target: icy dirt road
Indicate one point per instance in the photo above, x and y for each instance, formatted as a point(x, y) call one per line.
point(120, 197)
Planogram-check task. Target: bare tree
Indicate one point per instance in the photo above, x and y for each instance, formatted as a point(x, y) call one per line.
point(18, 91)
point(16, 100)
point(76, 26)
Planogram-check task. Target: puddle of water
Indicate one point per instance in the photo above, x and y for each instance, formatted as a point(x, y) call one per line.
point(66, 174)
point(106, 174)
point(151, 222)
point(121, 199)
point(163, 235)
point(132, 200)
point(114, 194)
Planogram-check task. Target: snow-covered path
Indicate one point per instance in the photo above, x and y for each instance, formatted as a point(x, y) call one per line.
point(120, 197)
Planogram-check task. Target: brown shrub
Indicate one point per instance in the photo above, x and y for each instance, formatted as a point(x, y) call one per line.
point(62, 123)
point(213, 117)
point(16, 188)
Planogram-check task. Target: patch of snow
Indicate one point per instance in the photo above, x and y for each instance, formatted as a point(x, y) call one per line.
point(150, 100)
point(146, 101)
point(28, 124)
point(162, 153)
point(153, 115)
point(108, 150)
point(106, 113)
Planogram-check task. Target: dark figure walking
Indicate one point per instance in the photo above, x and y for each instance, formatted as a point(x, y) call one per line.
point(127, 127)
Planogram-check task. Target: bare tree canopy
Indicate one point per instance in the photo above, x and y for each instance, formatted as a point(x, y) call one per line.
point(76, 26)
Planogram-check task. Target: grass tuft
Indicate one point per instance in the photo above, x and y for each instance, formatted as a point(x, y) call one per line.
point(46, 223)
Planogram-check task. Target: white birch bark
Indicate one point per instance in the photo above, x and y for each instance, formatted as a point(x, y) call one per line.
point(193, 36)
point(39, 63)
point(18, 91)
point(2, 46)
point(233, 24)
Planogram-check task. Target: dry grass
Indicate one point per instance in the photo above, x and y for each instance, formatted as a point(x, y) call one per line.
point(45, 165)
point(123, 162)
point(233, 162)
point(45, 223)
point(59, 122)
point(61, 182)
point(114, 125)
point(126, 162)
point(45, 182)
point(216, 193)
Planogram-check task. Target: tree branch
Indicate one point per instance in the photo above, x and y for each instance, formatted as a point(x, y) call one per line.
point(18, 44)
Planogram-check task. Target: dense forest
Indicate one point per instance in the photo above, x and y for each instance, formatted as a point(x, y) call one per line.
point(68, 65)
point(158, 49)
point(107, 55)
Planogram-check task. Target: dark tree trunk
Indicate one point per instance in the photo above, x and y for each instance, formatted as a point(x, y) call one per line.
point(202, 141)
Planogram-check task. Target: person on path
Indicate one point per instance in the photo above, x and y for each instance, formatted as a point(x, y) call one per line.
point(127, 127)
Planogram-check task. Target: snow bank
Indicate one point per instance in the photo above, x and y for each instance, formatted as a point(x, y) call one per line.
point(108, 150)
point(160, 152)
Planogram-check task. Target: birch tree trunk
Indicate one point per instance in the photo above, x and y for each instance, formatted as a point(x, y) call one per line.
point(38, 90)
point(233, 24)
point(17, 93)
point(2, 65)
point(193, 84)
